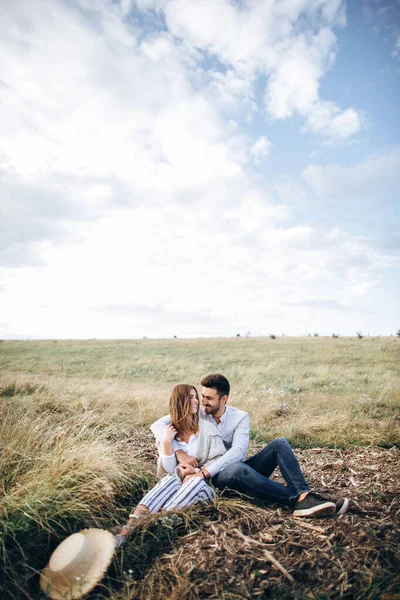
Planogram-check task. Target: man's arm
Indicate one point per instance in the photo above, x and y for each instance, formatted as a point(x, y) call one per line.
point(157, 429)
point(237, 452)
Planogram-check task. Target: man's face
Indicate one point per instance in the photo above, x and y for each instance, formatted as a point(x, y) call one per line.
point(212, 403)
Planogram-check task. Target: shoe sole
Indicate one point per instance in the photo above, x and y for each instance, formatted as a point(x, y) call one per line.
point(344, 507)
point(322, 510)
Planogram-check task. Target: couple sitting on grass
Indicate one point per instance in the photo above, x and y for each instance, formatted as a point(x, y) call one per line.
point(201, 451)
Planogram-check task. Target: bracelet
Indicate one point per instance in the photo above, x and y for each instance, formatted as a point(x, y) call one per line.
point(204, 475)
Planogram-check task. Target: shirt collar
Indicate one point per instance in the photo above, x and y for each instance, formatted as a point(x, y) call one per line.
point(223, 416)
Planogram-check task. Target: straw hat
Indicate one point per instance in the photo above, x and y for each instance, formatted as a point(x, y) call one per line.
point(77, 564)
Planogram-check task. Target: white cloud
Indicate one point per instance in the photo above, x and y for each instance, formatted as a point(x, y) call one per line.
point(291, 193)
point(294, 82)
point(137, 271)
point(372, 177)
point(260, 148)
point(91, 119)
point(326, 119)
point(232, 91)
point(70, 126)
point(129, 204)
point(260, 38)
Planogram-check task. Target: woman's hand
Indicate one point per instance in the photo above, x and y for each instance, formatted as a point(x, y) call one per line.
point(169, 433)
point(186, 470)
point(186, 459)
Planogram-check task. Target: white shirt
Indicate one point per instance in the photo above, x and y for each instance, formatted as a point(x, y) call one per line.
point(234, 429)
point(169, 462)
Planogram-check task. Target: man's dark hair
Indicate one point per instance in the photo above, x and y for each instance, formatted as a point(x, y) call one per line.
point(217, 382)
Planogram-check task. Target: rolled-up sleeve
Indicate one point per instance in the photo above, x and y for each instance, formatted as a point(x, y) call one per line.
point(168, 462)
point(237, 452)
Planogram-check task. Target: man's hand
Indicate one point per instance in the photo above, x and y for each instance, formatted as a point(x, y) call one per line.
point(205, 473)
point(169, 433)
point(186, 469)
point(184, 458)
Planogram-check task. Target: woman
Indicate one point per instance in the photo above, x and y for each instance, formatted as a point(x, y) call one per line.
point(180, 485)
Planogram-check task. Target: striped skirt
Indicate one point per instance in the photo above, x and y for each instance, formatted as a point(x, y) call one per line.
point(170, 493)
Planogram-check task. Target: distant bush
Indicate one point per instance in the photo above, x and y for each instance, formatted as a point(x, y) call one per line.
point(14, 389)
point(359, 335)
point(335, 335)
point(272, 336)
point(398, 333)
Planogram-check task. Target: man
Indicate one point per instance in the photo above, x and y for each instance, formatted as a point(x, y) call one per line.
point(252, 476)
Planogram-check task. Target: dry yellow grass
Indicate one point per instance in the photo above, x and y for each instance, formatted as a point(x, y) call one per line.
point(315, 391)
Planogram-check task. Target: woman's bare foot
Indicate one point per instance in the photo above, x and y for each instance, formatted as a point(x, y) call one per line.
point(139, 511)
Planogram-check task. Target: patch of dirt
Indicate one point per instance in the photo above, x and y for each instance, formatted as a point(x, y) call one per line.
point(139, 446)
point(252, 550)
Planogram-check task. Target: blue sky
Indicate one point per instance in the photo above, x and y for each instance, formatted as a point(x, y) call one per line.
point(199, 168)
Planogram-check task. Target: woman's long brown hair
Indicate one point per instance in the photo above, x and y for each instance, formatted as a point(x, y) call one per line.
point(180, 409)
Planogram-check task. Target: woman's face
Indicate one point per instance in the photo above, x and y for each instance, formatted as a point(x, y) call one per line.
point(194, 401)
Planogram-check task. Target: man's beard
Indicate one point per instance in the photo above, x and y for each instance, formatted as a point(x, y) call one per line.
point(209, 410)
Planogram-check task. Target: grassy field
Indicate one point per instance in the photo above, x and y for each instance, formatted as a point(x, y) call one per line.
point(75, 452)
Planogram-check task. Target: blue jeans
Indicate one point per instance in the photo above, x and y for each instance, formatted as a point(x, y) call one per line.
point(252, 476)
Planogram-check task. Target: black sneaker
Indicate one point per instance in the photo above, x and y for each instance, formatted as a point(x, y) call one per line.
point(342, 506)
point(314, 505)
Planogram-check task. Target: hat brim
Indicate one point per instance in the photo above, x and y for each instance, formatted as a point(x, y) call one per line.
point(58, 588)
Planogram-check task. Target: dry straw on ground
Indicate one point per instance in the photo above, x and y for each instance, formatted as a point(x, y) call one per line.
point(238, 550)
